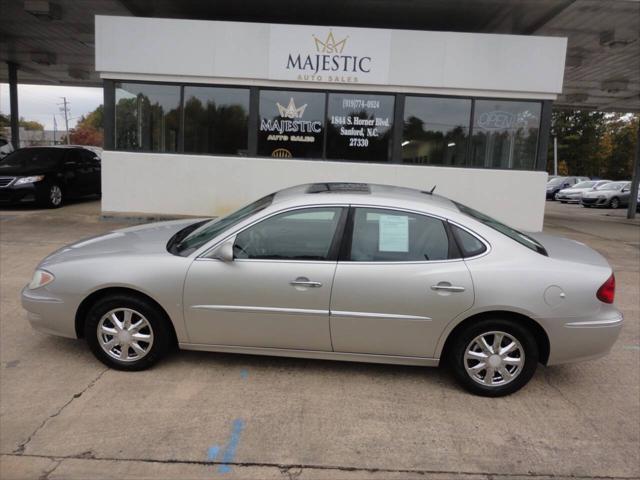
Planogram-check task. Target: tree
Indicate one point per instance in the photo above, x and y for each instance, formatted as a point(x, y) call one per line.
point(89, 129)
point(594, 144)
point(30, 124)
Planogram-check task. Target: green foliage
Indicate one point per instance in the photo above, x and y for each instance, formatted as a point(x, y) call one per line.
point(593, 144)
point(30, 124)
point(94, 120)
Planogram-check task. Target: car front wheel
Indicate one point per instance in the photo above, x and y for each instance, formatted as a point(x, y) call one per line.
point(494, 357)
point(614, 203)
point(126, 332)
point(51, 196)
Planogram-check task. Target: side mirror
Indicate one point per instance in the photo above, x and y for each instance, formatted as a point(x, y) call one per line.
point(625, 190)
point(224, 252)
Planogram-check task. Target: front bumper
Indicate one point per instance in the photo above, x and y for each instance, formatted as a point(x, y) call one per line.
point(568, 198)
point(18, 194)
point(594, 201)
point(582, 338)
point(48, 313)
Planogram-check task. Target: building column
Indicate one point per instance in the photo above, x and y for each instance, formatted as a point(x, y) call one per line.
point(631, 209)
point(13, 102)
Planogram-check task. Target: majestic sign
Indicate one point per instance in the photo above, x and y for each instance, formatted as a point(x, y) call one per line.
point(329, 54)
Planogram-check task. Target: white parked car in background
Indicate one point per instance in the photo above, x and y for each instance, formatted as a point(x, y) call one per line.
point(5, 148)
point(574, 194)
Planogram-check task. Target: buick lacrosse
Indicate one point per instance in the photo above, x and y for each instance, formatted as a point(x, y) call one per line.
point(341, 271)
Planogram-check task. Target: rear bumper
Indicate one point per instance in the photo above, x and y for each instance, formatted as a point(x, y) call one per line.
point(578, 339)
point(48, 314)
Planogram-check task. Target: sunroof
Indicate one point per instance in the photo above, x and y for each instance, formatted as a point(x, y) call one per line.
point(339, 187)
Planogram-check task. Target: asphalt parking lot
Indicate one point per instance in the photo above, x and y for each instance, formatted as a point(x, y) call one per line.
point(63, 415)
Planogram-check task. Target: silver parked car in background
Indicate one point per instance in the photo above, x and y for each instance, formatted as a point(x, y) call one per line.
point(611, 195)
point(340, 271)
point(574, 194)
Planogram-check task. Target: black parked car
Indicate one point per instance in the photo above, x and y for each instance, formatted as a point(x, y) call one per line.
point(48, 175)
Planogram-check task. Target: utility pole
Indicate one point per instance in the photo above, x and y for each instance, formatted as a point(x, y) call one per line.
point(65, 109)
point(55, 129)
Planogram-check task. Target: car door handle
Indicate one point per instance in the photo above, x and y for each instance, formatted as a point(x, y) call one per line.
point(447, 288)
point(304, 282)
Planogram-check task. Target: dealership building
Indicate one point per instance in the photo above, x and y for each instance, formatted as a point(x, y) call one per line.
point(210, 105)
point(204, 116)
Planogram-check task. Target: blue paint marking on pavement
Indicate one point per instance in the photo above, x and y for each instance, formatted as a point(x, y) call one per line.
point(244, 374)
point(232, 446)
point(212, 454)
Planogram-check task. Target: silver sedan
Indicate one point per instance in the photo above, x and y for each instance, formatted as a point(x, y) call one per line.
point(339, 271)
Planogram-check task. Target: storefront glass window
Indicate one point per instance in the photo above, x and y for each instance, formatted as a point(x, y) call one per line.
point(360, 127)
point(147, 117)
point(436, 130)
point(216, 120)
point(505, 134)
point(291, 124)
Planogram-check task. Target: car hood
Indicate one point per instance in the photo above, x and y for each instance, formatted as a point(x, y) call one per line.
point(569, 250)
point(139, 240)
point(569, 191)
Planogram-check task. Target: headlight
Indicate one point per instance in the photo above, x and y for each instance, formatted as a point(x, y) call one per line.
point(40, 279)
point(25, 180)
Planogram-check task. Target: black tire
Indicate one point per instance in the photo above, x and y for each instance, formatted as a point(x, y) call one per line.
point(614, 203)
point(463, 339)
point(159, 325)
point(562, 201)
point(51, 196)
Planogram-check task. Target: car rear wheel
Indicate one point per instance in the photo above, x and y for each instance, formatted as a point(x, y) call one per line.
point(126, 332)
point(614, 203)
point(493, 357)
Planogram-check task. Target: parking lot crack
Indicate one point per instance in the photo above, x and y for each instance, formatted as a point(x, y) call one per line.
point(293, 471)
point(46, 473)
point(21, 448)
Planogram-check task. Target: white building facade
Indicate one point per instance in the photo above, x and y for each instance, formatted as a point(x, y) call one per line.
point(202, 117)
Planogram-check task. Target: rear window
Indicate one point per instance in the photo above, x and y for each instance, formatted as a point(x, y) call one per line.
point(512, 233)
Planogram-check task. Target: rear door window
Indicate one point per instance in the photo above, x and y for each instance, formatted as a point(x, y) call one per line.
point(381, 235)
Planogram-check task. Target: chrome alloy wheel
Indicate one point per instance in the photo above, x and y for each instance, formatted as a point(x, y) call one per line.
point(55, 195)
point(125, 334)
point(494, 359)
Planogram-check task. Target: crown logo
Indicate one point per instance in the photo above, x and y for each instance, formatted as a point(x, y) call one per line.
point(291, 111)
point(329, 45)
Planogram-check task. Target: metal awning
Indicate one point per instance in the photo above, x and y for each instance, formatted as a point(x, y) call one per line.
point(52, 42)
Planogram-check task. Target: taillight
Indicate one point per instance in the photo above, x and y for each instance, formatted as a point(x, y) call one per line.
point(608, 290)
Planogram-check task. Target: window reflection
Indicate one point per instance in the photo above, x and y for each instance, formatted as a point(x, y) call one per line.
point(435, 130)
point(147, 117)
point(505, 134)
point(216, 120)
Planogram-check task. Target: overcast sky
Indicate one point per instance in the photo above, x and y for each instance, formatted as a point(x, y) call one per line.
point(41, 103)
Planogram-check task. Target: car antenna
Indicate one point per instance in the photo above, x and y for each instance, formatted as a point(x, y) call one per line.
point(432, 190)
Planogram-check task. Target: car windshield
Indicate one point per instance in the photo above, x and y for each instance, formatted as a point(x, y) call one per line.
point(189, 239)
point(584, 185)
point(512, 233)
point(33, 157)
point(612, 186)
point(556, 181)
